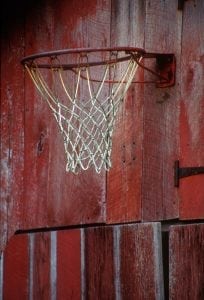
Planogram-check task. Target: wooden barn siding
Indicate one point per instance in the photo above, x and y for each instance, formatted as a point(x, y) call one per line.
point(124, 179)
point(191, 189)
point(186, 257)
point(161, 112)
point(35, 191)
point(125, 264)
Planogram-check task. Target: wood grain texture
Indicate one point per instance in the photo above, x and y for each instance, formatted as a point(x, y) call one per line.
point(68, 265)
point(124, 179)
point(99, 269)
point(123, 262)
point(191, 190)
point(77, 199)
point(41, 267)
point(35, 189)
point(161, 115)
point(16, 269)
point(11, 123)
point(141, 262)
point(186, 255)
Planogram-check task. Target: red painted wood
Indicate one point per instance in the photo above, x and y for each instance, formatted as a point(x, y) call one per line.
point(186, 255)
point(37, 131)
point(99, 269)
point(41, 270)
point(123, 262)
point(141, 262)
point(191, 189)
point(16, 269)
point(59, 198)
point(160, 141)
point(68, 265)
point(11, 123)
point(124, 179)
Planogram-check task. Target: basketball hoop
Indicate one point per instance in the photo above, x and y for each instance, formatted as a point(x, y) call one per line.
point(84, 89)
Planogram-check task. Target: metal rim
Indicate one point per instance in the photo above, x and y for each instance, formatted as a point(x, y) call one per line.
point(29, 60)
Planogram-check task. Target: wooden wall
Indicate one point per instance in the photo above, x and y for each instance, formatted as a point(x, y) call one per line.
point(154, 128)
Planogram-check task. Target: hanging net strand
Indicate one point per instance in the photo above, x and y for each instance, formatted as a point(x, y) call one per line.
point(85, 103)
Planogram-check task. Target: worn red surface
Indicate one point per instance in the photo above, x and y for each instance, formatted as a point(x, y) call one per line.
point(141, 272)
point(68, 265)
point(16, 269)
point(99, 268)
point(186, 255)
point(124, 179)
point(35, 189)
point(161, 114)
point(41, 266)
point(191, 189)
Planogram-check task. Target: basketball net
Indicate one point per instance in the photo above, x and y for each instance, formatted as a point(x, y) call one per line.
point(86, 115)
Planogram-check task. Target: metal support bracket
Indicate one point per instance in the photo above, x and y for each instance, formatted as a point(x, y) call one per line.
point(166, 67)
point(181, 4)
point(185, 172)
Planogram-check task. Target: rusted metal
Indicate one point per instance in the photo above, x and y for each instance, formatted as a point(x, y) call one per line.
point(185, 172)
point(165, 63)
point(181, 4)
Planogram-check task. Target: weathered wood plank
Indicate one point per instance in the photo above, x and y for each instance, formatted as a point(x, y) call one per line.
point(16, 269)
point(124, 179)
point(11, 122)
point(37, 130)
point(161, 115)
point(99, 269)
point(186, 268)
point(68, 265)
point(41, 267)
point(191, 189)
point(141, 269)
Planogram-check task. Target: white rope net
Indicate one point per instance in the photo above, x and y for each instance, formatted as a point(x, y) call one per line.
point(85, 109)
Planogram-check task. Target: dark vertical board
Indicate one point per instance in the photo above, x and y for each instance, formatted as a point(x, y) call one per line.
point(99, 269)
point(124, 179)
point(68, 265)
point(186, 256)
point(161, 115)
point(191, 189)
point(11, 122)
point(41, 267)
point(141, 262)
point(16, 269)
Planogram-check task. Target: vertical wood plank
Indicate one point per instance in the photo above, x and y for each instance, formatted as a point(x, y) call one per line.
point(124, 179)
point(141, 262)
point(191, 189)
point(16, 269)
point(99, 269)
point(11, 121)
point(161, 115)
point(37, 131)
point(186, 268)
point(68, 265)
point(41, 268)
